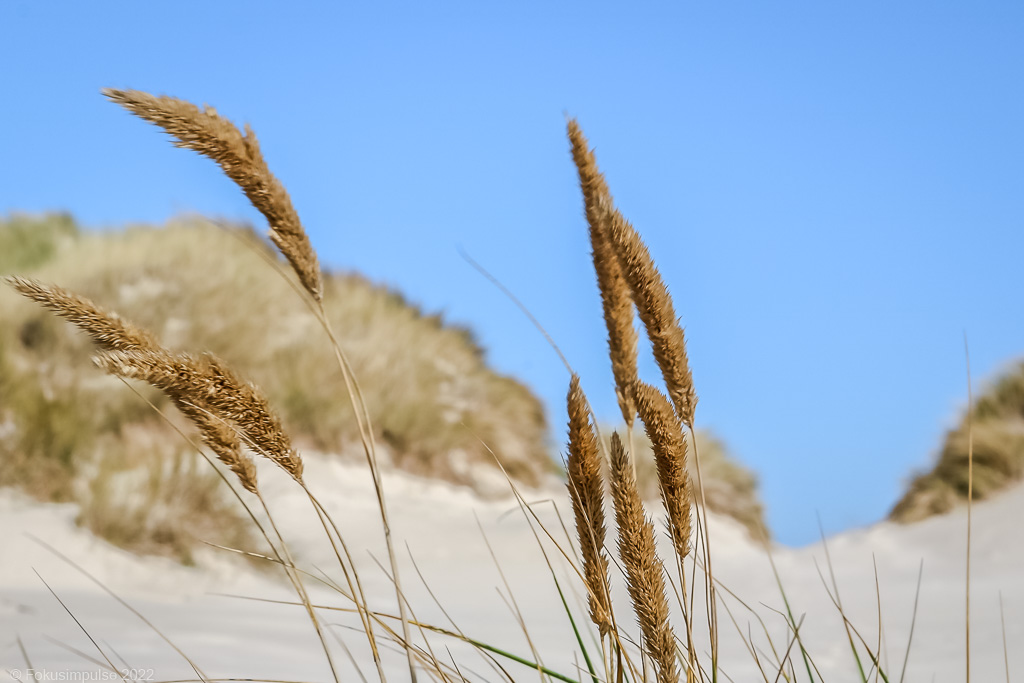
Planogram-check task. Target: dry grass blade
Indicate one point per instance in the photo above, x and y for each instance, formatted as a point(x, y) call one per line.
point(294, 574)
point(789, 648)
point(109, 664)
point(106, 329)
point(119, 599)
point(586, 491)
point(643, 569)
point(239, 156)
point(207, 385)
point(616, 300)
point(511, 601)
point(666, 435)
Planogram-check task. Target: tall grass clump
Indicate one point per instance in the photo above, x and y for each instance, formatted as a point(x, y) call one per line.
point(669, 630)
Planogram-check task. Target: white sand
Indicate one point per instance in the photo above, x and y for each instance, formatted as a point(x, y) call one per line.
point(237, 638)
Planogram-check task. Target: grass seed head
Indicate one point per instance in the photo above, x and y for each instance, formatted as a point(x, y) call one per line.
point(654, 306)
point(106, 329)
point(586, 491)
point(643, 569)
point(239, 156)
point(666, 434)
point(209, 387)
point(616, 301)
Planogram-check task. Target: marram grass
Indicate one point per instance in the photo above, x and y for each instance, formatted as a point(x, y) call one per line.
point(235, 420)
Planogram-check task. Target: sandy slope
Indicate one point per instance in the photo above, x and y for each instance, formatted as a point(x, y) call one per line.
point(232, 637)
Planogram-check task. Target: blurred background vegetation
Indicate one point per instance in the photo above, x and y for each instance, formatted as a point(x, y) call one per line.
point(996, 426)
point(69, 433)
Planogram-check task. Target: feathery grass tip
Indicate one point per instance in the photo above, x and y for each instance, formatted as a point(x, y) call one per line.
point(654, 306)
point(646, 287)
point(616, 300)
point(106, 329)
point(117, 336)
point(239, 156)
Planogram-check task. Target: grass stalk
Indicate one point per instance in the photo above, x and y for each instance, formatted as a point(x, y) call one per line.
point(913, 621)
point(1006, 651)
point(712, 611)
point(369, 447)
point(970, 501)
point(789, 610)
point(838, 601)
point(92, 640)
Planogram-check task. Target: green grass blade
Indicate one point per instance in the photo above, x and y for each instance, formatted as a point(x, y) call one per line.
point(575, 630)
point(789, 613)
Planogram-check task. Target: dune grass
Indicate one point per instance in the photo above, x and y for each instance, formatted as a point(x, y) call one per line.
point(64, 427)
point(670, 592)
point(994, 427)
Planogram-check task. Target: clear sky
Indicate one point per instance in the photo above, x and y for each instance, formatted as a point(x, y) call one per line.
point(834, 191)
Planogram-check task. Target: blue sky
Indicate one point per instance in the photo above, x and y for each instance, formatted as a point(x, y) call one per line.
point(833, 191)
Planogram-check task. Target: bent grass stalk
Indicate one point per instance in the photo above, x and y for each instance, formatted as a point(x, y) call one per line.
point(239, 156)
point(415, 620)
point(286, 562)
point(120, 600)
point(362, 416)
point(135, 353)
point(359, 404)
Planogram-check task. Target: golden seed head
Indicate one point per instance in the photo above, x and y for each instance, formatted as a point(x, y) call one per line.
point(209, 387)
point(586, 491)
point(666, 434)
point(105, 328)
point(643, 568)
point(239, 156)
point(616, 301)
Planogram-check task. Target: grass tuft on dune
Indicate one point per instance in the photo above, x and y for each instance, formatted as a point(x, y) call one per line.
point(69, 433)
point(997, 426)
